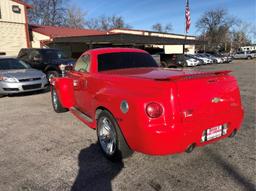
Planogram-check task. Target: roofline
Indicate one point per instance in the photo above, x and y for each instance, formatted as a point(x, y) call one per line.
point(52, 36)
point(36, 25)
point(127, 38)
point(23, 3)
point(40, 48)
point(149, 31)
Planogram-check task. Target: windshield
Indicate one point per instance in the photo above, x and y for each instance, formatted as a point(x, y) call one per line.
point(53, 54)
point(122, 60)
point(12, 64)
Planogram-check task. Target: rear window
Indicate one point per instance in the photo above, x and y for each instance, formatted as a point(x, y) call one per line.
point(122, 60)
point(52, 54)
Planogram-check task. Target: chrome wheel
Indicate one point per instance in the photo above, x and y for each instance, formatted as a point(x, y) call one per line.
point(52, 74)
point(107, 136)
point(54, 99)
point(56, 104)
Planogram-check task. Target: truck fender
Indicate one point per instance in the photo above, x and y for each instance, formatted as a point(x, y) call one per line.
point(65, 91)
point(111, 102)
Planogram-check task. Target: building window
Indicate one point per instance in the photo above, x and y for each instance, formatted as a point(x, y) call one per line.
point(16, 9)
point(0, 13)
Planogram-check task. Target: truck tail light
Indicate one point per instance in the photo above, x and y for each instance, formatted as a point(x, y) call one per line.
point(154, 110)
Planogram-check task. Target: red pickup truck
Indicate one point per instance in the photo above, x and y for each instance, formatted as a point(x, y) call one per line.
point(135, 105)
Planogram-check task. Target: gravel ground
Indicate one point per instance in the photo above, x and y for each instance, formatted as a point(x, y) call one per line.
point(42, 150)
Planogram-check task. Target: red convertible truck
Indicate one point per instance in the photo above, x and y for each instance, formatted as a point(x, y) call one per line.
point(136, 106)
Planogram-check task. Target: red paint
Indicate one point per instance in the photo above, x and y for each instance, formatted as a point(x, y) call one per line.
point(54, 32)
point(186, 98)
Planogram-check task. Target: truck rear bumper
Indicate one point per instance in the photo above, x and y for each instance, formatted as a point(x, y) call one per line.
point(156, 141)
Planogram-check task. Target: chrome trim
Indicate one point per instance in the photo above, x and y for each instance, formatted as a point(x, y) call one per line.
point(81, 114)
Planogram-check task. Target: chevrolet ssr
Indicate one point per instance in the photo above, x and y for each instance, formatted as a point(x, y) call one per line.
point(135, 105)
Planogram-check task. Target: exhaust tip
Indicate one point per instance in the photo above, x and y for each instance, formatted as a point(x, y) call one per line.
point(190, 148)
point(233, 133)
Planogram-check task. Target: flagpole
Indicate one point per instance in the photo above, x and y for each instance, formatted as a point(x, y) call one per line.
point(185, 31)
point(184, 44)
point(187, 24)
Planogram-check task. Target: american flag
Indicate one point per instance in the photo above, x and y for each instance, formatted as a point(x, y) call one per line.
point(187, 16)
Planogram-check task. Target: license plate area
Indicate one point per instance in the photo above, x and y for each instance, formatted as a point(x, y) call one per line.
point(214, 132)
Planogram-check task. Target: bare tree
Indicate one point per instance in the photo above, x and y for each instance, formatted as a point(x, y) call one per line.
point(158, 27)
point(253, 31)
point(216, 25)
point(240, 35)
point(47, 12)
point(92, 23)
point(75, 17)
point(107, 22)
point(168, 27)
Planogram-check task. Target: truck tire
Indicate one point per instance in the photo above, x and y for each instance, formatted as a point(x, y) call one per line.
point(51, 74)
point(249, 58)
point(110, 138)
point(58, 108)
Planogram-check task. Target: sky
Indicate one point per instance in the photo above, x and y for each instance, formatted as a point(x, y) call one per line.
point(142, 14)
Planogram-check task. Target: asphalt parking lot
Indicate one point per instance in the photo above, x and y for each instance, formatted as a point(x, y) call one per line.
point(42, 150)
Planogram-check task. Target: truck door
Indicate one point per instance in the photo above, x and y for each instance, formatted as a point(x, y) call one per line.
point(81, 77)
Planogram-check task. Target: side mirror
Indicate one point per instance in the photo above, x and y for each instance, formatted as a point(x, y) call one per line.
point(65, 68)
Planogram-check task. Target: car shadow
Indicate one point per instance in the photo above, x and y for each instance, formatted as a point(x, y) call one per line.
point(95, 171)
point(231, 170)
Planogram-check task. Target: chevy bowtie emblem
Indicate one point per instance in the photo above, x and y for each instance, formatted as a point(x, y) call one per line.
point(217, 100)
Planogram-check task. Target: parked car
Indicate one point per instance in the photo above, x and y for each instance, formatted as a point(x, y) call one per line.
point(135, 105)
point(16, 77)
point(205, 59)
point(192, 61)
point(219, 59)
point(244, 55)
point(253, 52)
point(201, 62)
point(215, 59)
point(45, 59)
point(226, 58)
point(170, 60)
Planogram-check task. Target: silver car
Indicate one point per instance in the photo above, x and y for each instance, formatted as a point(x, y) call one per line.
point(16, 77)
point(244, 55)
